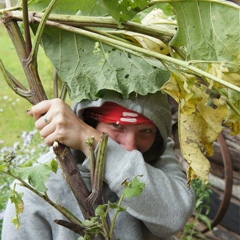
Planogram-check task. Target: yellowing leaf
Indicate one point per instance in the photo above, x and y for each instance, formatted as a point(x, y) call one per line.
point(181, 86)
point(201, 115)
point(211, 119)
point(158, 19)
point(230, 73)
point(197, 133)
point(192, 150)
point(233, 119)
point(148, 42)
point(226, 71)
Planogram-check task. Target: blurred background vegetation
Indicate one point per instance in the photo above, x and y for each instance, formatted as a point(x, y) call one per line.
point(13, 109)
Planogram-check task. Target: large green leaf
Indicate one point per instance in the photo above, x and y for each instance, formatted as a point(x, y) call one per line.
point(124, 10)
point(210, 30)
point(89, 67)
point(86, 8)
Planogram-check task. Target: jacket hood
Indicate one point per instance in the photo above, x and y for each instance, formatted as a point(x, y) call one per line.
point(154, 106)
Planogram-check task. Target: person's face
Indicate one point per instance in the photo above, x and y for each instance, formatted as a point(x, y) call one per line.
point(132, 137)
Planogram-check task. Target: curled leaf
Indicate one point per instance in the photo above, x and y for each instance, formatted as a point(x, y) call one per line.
point(148, 42)
point(16, 198)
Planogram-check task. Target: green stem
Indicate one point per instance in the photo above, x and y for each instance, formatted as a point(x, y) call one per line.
point(99, 170)
point(44, 196)
point(115, 217)
point(41, 28)
point(10, 9)
point(106, 22)
point(90, 143)
point(26, 27)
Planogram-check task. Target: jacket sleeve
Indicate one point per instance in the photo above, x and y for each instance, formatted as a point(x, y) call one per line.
point(166, 203)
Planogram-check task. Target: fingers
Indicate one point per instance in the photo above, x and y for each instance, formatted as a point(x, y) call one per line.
point(53, 118)
point(43, 121)
point(48, 133)
point(40, 109)
point(57, 122)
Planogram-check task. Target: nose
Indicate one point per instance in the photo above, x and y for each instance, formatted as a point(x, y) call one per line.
point(129, 141)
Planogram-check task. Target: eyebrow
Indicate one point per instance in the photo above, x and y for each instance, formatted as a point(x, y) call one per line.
point(150, 127)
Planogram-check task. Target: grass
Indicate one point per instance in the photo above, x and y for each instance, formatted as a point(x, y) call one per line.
point(13, 116)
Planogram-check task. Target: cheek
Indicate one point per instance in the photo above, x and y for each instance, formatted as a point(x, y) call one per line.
point(145, 144)
point(145, 141)
point(101, 127)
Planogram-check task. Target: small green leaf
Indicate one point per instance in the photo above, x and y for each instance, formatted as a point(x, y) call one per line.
point(54, 165)
point(115, 206)
point(3, 166)
point(89, 223)
point(206, 220)
point(124, 10)
point(37, 175)
point(81, 238)
point(16, 199)
point(101, 210)
point(28, 163)
point(135, 188)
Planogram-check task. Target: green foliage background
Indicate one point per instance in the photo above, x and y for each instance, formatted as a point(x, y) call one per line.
point(13, 115)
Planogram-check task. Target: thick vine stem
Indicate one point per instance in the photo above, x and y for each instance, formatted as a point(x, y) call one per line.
point(72, 226)
point(96, 195)
point(106, 22)
point(90, 143)
point(99, 171)
point(74, 178)
point(36, 93)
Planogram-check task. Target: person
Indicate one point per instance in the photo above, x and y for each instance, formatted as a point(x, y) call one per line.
point(139, 144)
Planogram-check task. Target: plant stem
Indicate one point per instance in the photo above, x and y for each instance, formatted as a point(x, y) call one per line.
point(40, 29)
point(99, 170)
point(36, 92)
point(74, 178)
point(26, 27)
point(115, 217)
point(44, 196)
point(106, 22)
point(90, 143)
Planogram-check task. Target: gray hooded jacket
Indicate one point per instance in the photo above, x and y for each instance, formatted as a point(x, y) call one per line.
point(159, 212)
